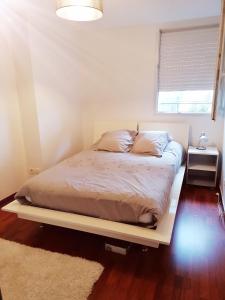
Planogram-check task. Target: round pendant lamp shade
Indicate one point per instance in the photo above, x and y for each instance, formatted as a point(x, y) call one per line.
point(80, 10)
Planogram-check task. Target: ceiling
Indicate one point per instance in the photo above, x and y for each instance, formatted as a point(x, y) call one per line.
point(132, 12)
point(129, 12)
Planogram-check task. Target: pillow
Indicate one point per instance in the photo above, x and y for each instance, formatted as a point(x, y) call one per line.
point(177, 150)
point(116, 141)
point(151, 142)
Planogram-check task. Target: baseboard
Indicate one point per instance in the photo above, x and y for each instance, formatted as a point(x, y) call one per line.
point(6, 201)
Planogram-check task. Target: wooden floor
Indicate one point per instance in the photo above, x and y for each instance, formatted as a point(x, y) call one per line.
point(193, 267)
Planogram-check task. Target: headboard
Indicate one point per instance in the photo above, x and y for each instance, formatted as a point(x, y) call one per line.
point(178, 131)
point(103, 126)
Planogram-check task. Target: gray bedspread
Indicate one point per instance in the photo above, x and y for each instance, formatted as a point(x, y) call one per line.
point(122, 187)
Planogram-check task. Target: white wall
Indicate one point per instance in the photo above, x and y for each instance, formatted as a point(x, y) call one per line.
point(19, 42)
point(12, 153)
point(85, 74)
point(57, 83)
point(48, 81)
point(123, 81)
point(40, 92)
point(69, 75)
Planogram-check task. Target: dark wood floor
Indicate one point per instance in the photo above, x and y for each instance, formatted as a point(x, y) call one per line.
point(193, 267)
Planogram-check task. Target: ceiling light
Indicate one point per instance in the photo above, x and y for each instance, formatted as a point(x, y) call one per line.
point(80, 10)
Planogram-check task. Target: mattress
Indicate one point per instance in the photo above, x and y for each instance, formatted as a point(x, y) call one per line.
point(123, 187)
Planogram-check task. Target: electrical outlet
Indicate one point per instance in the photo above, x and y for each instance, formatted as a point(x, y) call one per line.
point(34, 171)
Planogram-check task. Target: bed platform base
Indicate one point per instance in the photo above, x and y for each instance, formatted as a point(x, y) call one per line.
point(131, 233)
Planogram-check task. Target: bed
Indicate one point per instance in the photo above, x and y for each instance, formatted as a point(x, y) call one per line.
point(93, 211)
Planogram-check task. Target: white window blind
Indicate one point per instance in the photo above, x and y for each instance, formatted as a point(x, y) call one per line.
point(187, 70)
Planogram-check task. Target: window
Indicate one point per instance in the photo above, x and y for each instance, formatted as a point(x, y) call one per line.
point(187, 70)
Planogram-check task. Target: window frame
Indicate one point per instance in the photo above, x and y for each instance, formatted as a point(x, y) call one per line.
point(156, 103)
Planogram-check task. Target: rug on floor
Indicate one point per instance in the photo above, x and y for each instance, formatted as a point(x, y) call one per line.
point(28, 273)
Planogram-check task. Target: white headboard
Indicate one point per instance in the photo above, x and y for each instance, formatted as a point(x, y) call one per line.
point(103, 126)
point(178, 131)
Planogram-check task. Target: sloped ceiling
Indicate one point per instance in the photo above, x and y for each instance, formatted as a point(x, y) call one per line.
point(131, 12)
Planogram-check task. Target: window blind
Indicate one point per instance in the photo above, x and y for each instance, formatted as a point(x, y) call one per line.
point(188, 59)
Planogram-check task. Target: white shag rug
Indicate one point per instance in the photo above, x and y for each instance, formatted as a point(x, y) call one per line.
point(34, 274)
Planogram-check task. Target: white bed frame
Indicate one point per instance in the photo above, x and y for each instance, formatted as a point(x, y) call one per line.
point(121, 231)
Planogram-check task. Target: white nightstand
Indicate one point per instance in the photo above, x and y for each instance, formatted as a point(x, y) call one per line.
point(202, 166)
